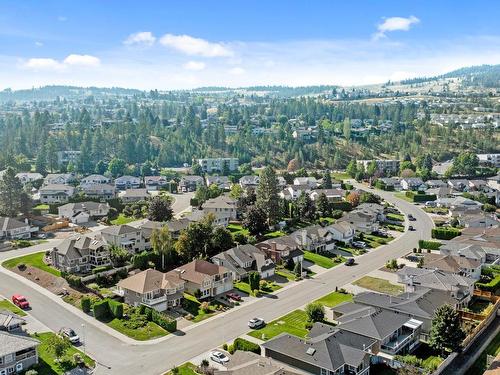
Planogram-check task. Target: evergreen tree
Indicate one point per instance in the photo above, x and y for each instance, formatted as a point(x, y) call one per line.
point(255, 221)
point(323, 207)
point(327, 180)
point(160, 209)
point(11, 194)
point(446, 331)
point(267, 195)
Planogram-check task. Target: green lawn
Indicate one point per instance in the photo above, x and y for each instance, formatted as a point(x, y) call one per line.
point(48, 365)
point(275, 234)
point(33, 260)
point(398, 228)
point(149, 332)
point(379, 285)
point(41, 207)
point(403, 196)
point(245, 287)
point(339, 176)
point(192, 306)
point(334, 299)
point(122, 219)
point(321, 260)
point(293, 323)
point(237, 228)
point(375, 241)
point(480, 365)
point(396, 217)
point(7, 305)
point(185, 369)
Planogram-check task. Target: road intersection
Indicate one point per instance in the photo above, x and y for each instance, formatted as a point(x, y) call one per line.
point(116, 354)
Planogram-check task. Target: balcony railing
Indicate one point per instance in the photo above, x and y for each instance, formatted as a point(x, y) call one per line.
point(30, 354)
point(154, 301)
point(393, 346)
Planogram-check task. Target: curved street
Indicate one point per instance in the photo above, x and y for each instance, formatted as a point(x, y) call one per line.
point(116, 354)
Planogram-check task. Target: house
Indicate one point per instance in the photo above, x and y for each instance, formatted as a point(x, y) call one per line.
point(459, 265)
point(494, 182)
point(190, 183)
point(459, 287)
point(59, 179)
point(333, 195)
point(308, 181)
point(211, 165)
point(17, 353)
point(249, 183)
point(329, 351)
point(175, 227)
point(390, 166)
point(315, 238)
point(56, 193)
point(253, 364)
point(489, 159)
point(155, 182)
point(282, 249)
point(81, 212)
point(12, 229)
point(95, 179)
point(99, 191)
point(435, 184)
point(79, 254)
point(365, 222)
point(221, 205)
point(209, 279)
point(342, 231)
point(125, 236)
point(479, 185)
point(394, 333)
point(220, 218)
point(152, 288)
point(222, 182)
point(28, 177)
point(294, 191)
point(391, 183)
point(127, 182)
point(242, 259)
point(475, 243)
point(10, 322)
point(459, 185)
point(477, 220)
point(373, 209)
point(134, 195)
point(412, 183)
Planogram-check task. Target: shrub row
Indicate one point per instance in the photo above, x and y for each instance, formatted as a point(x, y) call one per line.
point(162, 320)
point(244, 345)
point(106, 308)
point(445, 233)
point(432, 245)
point(492, 286)
point(343, 206)
point(73, 280)
point(101, 269)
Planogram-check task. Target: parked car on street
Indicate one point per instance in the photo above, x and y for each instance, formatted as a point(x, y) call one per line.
point(411, 227)
point(219, 357)
point(256, 323)
point(349, 262)
point(359, 244)
point(233, 296)
point(411, 218)
point(20, 301)
point(70, 335)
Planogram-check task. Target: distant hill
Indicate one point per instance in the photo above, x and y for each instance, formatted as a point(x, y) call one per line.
point(487, 76)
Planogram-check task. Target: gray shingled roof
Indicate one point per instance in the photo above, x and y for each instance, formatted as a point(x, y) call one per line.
point(14, 343)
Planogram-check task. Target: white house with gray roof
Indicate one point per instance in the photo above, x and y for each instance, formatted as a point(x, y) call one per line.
point(81, 212)
point(13, 229)
point(17, 353)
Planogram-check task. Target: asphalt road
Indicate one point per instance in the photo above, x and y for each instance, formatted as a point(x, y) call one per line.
point(116, 356)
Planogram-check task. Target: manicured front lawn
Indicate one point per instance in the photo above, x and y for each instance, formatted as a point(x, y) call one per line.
point(33, 260)
point(480, 365)
point(275, 234)
point(7, 305)
point(48, 364)
point(185, 369)
point(398, 228)
point(42, 207)
point(339, 176)
point(396, 217)
point(293, 323)
point(321, 260)
point(375, 241)
point(334, 299)
point(237, 228)
point(379, 285)
point(122, 219)
point(148, 332)
point(245, 287)
point(402, 195)
point(193, 306)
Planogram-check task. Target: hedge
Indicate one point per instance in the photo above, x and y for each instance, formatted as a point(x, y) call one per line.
point(246, 346)
point(101, 269)
point(141, 260)
point(73, 280)
point(432, 245)
point(420, 196)
point(492, 286)
point(157, 317)
point(116, 308)
point(101, 310)
point(343, 206)
point(444, 233)
point(85, 304)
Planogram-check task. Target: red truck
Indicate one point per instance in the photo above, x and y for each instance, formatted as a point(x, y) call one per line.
point(20, 301)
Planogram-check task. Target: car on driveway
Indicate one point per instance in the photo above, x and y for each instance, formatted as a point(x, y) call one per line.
point(233, 296)
point(359, 244)
point(219, 357)
point(256, 323)
point(70, 335)
point(20, 301)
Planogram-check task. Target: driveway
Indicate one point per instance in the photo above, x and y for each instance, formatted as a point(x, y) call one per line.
point(117, 355)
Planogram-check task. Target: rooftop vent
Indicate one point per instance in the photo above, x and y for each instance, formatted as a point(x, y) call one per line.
point(311, 351)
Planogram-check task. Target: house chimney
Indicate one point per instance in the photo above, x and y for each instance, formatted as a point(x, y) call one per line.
point(273, 246)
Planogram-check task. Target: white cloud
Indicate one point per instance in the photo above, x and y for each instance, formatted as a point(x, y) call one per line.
point(194, 65)
point(145, 38)
point(237, 71)
point(395, 24)
point(82, 60)
point(39, 44)
point(62, 18)
point(195, 46)
point(43, 64)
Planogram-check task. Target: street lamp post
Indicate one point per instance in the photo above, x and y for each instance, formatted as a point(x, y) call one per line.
point(84, 339)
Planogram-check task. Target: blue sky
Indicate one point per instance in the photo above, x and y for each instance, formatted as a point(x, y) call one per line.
point(185, 44)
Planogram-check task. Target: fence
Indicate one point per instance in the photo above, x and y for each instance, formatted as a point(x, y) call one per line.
point(469, 340)
point(86, 279)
